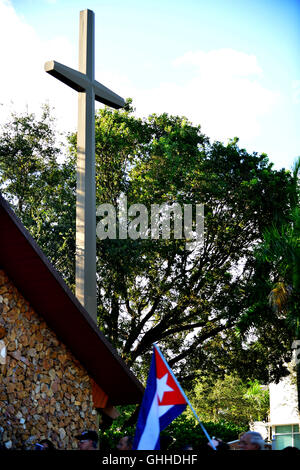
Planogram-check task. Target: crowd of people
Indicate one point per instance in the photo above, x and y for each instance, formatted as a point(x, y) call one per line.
point(89, 440)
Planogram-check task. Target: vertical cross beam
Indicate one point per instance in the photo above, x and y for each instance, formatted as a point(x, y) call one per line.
point(89, 90)
point(86, 290)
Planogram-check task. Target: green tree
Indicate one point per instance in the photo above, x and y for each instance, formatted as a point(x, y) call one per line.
point(281, 250)
point(231, 400)
point(192, 302)
point(186, 430)
point(206, 306)
point(183, 430)
point(40, 185)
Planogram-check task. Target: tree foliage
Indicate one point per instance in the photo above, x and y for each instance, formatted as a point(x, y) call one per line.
point(206, 307)
point(40, 186)
point(199, 305)
point(184, 430)
point(230, 400)
point(280, 250)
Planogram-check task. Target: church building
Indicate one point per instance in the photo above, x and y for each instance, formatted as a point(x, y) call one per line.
point(58, 371)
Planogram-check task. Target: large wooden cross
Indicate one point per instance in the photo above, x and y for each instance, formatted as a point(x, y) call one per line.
point(89, 90)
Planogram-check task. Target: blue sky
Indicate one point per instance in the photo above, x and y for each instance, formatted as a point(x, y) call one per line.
point(231, 66)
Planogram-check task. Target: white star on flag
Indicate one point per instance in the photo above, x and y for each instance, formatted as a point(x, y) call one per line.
point(162, 386)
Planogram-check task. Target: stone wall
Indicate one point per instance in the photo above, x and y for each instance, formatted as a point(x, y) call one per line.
point(44, 390)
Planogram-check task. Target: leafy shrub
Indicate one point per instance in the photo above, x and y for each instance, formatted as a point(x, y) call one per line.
point(183, 430)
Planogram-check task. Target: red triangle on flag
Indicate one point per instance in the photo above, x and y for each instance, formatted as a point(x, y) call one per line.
point(174, 397)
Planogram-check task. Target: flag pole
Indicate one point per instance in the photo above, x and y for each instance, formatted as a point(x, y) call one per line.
point(186, 398)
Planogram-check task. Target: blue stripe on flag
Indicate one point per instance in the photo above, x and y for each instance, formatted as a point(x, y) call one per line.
point(147, 401)
point(168, 417)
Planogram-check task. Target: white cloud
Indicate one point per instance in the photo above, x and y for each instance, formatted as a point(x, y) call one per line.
point(221, 61)
point(24, 83)
point(223, 93)
point(295, 91)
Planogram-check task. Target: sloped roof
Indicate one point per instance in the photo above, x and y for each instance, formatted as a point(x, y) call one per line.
point(38, 281)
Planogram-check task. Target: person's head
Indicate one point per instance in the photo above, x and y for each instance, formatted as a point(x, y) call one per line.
point(251, 440)
point(125, 443)
point(87, 440)
point(187, 447)
point(291, 449)
point(47, 444)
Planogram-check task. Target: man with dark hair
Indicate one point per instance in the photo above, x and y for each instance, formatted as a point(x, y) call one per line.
point(88, 440)
point(45, 444)
point(125, 443)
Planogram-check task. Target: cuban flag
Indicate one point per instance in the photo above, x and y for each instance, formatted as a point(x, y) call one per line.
point(163, 401)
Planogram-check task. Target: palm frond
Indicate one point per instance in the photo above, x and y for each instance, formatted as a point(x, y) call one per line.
point(279, 297)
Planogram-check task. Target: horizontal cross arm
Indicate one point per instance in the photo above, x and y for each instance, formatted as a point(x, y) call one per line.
point(106, 96)
point(76, 80)
point(79, 82)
